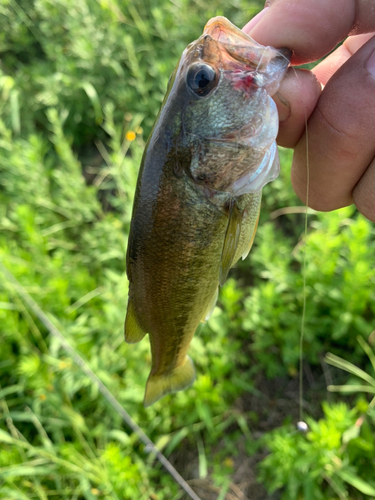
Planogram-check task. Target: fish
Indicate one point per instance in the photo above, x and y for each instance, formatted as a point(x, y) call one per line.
point(198, 194)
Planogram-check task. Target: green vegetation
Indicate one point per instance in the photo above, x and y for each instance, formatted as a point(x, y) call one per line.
point(80, 85)
point(332, 459)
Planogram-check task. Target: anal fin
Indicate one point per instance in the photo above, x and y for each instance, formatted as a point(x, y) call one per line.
point(133, 332)
point(231, 239)
point(178, 379)
point(210, 307)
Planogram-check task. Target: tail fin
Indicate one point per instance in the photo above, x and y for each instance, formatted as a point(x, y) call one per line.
point(161, 385)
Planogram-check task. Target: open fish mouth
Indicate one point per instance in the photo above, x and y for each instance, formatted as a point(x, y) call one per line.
point(246, 62)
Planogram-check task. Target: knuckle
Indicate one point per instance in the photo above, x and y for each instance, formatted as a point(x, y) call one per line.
point(343, 136)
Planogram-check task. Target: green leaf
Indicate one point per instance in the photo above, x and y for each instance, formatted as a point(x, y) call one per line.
point(11, 390)
point(366, 347)
point(223, 491)
point(15, 111)
point(349, 367)
point(351, 388)
point(162, 442)
point(358, 483)
point(94, 98)
point(352, 433)
point(6, 438)
point(177, 438)
point(203, 467)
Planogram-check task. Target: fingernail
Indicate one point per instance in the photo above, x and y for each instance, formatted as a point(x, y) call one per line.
point(283, 107)
point(370, 64)
point(255, 20)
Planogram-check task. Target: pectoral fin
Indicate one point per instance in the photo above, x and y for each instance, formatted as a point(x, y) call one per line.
point(230, 242)
point(133, 332)
point(246, 252)
point(178, 379)
point(210, 307)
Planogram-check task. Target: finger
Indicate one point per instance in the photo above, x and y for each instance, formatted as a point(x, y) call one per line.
point(300, 91)
point(312, 28)
point(340, 134)
point(255, 20)
point(353, 43)
point(324, 70)
point(363, 193)
point(296, 100)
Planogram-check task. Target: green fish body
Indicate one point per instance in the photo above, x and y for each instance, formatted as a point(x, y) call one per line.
point(198, 195)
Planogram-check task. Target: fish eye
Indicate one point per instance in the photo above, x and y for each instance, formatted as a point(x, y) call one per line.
point(201, 79)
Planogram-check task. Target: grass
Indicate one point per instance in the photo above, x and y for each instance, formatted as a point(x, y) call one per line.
point(80, 85)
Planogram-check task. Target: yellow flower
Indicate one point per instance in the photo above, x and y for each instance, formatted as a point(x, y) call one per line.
point(42, 397)
point(130, 135)
point(64, 364)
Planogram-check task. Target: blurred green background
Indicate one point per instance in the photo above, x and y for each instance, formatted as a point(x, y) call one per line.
point(80, 85)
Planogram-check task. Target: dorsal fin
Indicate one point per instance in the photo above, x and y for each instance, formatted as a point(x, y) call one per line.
point(231, 239)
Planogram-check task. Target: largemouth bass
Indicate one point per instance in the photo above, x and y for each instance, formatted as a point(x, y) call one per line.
point(197, 201)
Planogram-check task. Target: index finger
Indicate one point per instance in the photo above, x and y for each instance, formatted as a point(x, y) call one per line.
point(312, 28)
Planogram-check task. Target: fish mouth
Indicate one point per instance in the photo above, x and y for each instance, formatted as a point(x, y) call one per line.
point(222, 30)
point(240, 45)
point(240, 55)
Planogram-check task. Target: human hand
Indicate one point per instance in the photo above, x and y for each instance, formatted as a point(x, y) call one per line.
point(341, 118)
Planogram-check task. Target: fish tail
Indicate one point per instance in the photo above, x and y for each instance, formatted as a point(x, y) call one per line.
point(159, 385)
point(133, 331)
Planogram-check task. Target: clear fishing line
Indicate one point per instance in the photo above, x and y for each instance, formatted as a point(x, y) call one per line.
point(301, 425)
point(303, 318)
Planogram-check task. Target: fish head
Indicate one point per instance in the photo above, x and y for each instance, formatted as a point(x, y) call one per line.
point(237, 57)
point(223, 84)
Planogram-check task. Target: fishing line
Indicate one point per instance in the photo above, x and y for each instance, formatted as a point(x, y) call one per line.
point(301, 425)
point(303, 318)
point(149, 445)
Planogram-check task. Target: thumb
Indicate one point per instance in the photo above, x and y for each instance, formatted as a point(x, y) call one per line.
point(341, 137)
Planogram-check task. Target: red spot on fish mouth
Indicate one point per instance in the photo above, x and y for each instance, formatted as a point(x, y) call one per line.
point(242, 81)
